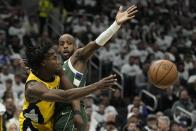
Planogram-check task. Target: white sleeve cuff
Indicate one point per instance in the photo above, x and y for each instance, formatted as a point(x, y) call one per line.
point(103, 38)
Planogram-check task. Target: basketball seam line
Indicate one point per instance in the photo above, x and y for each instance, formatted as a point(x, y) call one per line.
point(165, 75)
point(151, 75)
point(157, 71)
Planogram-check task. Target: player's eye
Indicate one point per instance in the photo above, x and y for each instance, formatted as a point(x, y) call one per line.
point(61, 43)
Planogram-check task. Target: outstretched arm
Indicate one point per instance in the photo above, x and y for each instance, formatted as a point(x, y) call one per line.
point(38, 91)
point(121, 17)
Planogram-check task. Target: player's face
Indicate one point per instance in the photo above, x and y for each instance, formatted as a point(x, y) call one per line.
point(52, 63)
point(67, 46)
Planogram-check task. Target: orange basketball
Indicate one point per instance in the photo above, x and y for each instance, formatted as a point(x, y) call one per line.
point(163, 73)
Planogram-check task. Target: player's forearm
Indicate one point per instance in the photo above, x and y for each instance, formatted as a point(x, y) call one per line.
point(76, 105)
point(104, 37)
point(87, 51)
point(58, 95)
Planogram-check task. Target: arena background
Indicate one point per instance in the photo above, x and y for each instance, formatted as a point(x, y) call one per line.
point(162, 29)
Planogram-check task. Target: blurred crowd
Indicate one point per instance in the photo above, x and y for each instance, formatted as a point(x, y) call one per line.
point(162, 29)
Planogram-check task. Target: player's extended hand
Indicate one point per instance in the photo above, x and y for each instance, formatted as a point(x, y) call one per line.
point(78, 121)
point(106, 82)
point(123, 16)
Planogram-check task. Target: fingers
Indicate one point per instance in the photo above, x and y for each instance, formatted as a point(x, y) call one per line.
point(109, 83)
point(133, 7)
point(131, 17)
point(112, 89)
point(132, 13)
point(110, 77)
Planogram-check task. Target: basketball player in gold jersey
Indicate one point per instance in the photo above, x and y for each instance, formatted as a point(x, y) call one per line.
point(71, 117)
point(42, 88)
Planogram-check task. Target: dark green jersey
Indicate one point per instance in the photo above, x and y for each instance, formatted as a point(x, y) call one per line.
point(75, 77)
point(63, 112)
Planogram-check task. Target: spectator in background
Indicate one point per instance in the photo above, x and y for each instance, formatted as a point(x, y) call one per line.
point(18, 89)
point(183, 74)
point(15, 44)
point(141, 80)
point(80, 28)
point(131, 68)
point(184, 123)
point(174, 126)
point(10, 110)
point(159, 114)
point(157, 52)
point(109, 123)
point(193, 70)
point(119, 60)
point(5, 74)
point(4, 58)
point(99, 114)
point(18, 86)
point(106, 57)
point(132, 123)
point(163, 123)
point(12, 125)
point(141, 119)
point(2, 40)
point(92, 124)
point(16, 62)
point(6, 87)
point(45, 7)
point(97, 27)
point(129, 71)
point(151, 123)
point(31, 27)
point(166, 100)
point(88, 102)
point(16, 29)
point(183, 102)
point(138, 103)
point(116, 100)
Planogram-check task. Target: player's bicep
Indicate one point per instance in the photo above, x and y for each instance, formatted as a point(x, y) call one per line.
point(38, 91)
point(85, 52)
point(35, 90)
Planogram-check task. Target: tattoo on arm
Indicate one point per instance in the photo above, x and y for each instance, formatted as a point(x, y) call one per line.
point(79, 56)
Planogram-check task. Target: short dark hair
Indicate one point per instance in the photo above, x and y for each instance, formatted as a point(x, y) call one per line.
point(35, 54)
point(151, 117)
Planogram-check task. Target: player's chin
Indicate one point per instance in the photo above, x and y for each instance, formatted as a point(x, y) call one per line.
point(58, 69)
point(66, 56)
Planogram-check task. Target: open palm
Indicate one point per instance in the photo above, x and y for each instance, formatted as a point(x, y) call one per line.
point(123, 16)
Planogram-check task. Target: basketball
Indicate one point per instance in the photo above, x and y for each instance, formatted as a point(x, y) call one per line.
point(163, 73)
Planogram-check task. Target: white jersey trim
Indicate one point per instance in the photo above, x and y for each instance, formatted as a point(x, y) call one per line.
point(71, 67)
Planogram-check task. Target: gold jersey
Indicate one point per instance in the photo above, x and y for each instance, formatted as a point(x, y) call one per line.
point(38, 116)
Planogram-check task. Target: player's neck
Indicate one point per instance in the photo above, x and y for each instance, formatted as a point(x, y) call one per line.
point(45, 75)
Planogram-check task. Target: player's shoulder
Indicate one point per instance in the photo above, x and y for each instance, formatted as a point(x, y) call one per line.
point(34, 84)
